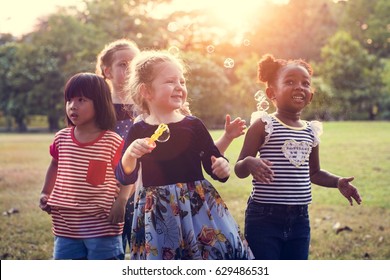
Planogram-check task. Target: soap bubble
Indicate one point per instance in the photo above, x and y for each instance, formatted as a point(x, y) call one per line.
point(173, 50)
point(228, 63)
point(246, 42)
point(172, 27)
point(262, 102)
point(210, 49)
point(164, 137)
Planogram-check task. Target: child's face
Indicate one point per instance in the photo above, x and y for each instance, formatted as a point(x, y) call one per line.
point(168, 89)
point(118, 70)
point(81, 111)
point(293, 91)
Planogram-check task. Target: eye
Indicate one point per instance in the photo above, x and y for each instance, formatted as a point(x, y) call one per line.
point(289, 82)
point(306, 84)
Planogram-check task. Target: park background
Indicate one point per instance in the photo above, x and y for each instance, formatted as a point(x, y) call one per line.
point(346, 42)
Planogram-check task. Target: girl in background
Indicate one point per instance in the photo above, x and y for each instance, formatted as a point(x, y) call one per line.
point(277, 220)
point(80, 186)
point(178, 213)
point(113, 64)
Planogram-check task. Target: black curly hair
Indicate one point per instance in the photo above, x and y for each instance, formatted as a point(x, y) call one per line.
point(268, 68)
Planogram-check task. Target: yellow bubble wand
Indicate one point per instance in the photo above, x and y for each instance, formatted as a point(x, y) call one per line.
point(159, 131)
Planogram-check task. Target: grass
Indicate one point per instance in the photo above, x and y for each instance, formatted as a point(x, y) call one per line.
point(339, 231)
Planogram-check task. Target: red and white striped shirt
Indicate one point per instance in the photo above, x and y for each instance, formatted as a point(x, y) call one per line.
point(84, 190)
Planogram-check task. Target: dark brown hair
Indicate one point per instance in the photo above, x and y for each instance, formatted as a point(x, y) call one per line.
point(269, 67)
point(94, 87)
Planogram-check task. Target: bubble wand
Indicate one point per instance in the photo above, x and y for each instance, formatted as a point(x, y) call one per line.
point(157, 134)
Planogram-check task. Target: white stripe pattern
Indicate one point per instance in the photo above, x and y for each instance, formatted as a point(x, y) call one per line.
point(80, 208)
point(291, 184)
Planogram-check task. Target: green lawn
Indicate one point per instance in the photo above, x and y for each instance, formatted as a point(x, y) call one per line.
point(339, 231)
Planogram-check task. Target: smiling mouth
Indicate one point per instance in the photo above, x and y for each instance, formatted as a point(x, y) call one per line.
point(298, 98)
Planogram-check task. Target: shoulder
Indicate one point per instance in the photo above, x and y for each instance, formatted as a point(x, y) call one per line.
point(63, 132)
point(317, 130)
point(139, 125)
point(260, 129)
point(192, 119)
point(260, 116)
point(194, 122)
point(113, 136)
point(260, 120)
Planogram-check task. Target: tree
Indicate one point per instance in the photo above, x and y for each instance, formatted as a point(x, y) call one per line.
point(7, 60)
point(383, 105)
point(353, 74)
point(207, 88)
point(378, 30)
point(63, 46)
point(296, 30)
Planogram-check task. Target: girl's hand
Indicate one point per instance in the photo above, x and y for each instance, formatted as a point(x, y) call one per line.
point(43, 203)
point(235, 128)
point(140, 147)
point(348, 190)
point(220, 167)
point(260, 169)
point(117, 212)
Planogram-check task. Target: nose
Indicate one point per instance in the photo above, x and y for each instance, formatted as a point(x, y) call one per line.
point(299, 87)
point(72, 104)
point(180, 87)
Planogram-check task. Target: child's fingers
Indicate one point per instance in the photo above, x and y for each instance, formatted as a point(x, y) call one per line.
point(227, 119)
point(355, 195)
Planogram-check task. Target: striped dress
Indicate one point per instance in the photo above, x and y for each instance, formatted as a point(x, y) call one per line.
point(84, 190)
point(288, 148)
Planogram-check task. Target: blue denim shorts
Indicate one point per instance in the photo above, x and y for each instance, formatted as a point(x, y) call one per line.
point(97, 248)
point(276, 231)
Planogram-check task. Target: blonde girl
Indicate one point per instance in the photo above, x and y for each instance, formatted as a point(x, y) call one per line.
point(178, 214)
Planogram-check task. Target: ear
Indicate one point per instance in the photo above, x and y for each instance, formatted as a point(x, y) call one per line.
point(269, 91)
point(107, 72)
point(311, 96)
point(145, 91)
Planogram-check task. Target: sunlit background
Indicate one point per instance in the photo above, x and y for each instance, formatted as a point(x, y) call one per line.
point(43, 42)
point(19, 16)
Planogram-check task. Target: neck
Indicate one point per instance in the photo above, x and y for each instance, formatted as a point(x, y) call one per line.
point(86, 133)
point(120, 97)
point(289, 118)
point(168, 117)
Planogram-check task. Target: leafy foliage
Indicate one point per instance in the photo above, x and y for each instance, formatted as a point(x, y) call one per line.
point(346, 41)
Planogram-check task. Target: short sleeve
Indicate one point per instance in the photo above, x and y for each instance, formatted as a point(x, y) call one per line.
point(207, 149)
point(317, 129)
point(267, 119)
point(118, 155)
point(54, 151)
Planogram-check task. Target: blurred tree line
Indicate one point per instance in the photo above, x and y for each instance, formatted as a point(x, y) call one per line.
point(347, 43)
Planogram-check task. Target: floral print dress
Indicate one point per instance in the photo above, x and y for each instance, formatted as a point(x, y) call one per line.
point(184, 218)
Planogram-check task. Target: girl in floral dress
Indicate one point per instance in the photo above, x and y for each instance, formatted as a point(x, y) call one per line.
point(178, 213)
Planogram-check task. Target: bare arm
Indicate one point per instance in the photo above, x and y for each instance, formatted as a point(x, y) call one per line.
point(324, 178)
point(48, 186)
point(247, 163)
point(233, 129)
point(117, 213)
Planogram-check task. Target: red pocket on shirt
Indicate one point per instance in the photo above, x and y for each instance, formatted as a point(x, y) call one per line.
point(96, 172)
